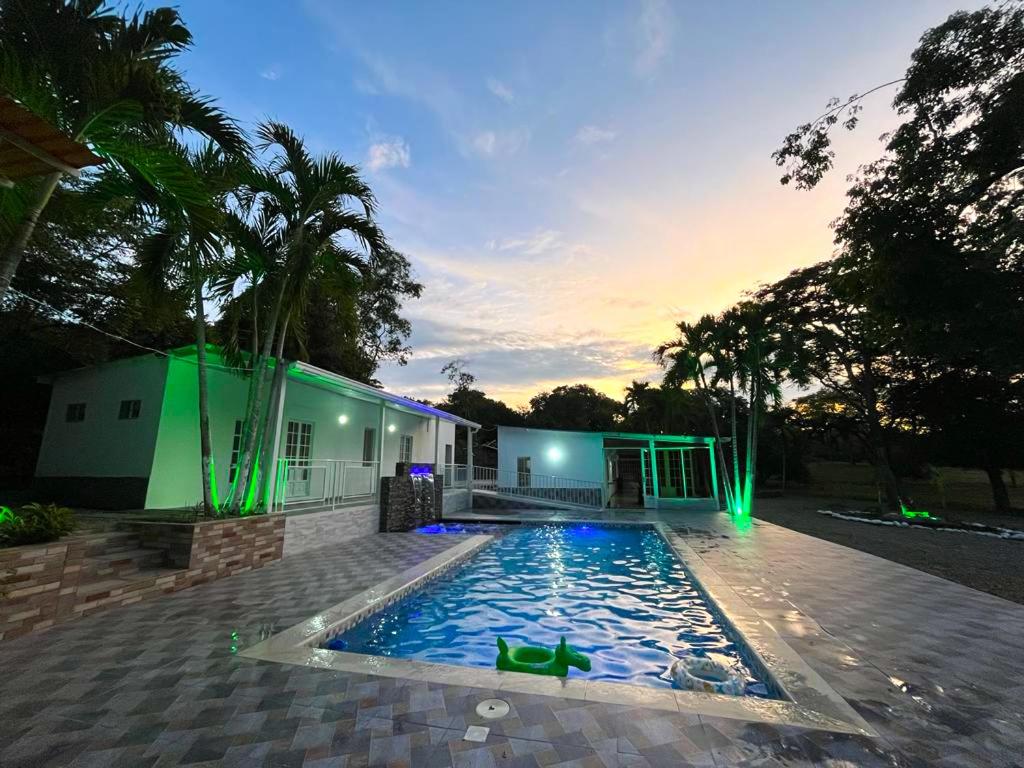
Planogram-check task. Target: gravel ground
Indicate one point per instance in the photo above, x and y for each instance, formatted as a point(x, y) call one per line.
point(988, 564)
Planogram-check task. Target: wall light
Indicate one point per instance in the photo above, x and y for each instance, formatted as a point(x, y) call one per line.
point(391, 427)
point(554, 453)
point(343, 419)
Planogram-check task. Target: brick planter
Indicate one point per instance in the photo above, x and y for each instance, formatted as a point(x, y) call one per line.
point(46, 584)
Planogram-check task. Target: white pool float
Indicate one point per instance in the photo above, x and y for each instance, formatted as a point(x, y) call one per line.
point(698, 673)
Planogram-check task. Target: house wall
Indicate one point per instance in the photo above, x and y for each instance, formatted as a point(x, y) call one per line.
point(102, 461)
point(175, 480)
point(576, 455)
point(154, 461)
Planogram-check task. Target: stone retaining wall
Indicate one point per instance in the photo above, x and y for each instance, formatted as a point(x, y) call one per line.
point(40, 584)
point(312, 530)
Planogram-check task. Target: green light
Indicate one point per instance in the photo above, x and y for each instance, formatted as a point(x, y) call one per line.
point(249, 506)
point(6, 515)
point(214, 496)
point(911, 513)
point(343, 419)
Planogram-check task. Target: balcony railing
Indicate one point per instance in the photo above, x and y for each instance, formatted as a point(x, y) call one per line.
point(456, 475)
point(564, 490)
point(325, 482)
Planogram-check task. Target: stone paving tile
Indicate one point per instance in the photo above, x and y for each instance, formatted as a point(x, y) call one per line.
point(159, 684)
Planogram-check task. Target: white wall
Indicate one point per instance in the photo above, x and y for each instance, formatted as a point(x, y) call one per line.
point(176, 480)
point(576, 455)
point(103, 445)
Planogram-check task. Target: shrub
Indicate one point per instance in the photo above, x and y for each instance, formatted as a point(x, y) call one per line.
point(34, 524)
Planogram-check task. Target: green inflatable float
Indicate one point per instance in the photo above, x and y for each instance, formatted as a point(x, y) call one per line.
point(540, 661)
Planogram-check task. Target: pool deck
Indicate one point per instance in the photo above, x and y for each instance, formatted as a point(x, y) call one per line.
point(933, 666)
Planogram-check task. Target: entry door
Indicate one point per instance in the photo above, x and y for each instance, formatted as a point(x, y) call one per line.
point(297, 449)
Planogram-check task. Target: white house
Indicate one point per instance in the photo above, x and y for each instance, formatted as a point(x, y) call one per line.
point(612, 469)
point(125, 434)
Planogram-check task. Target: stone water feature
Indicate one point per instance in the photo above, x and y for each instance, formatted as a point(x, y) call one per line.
point(411, 498)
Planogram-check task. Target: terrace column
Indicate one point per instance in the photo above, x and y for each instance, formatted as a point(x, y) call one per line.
point(654, 472)
point(438, 469)
point(380, 443)
point(714, 474)
point(469, 458)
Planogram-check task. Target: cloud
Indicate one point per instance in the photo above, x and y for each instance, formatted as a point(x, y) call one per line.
point(593, 134)
point(653, 35)
point(537, 244)
point(500, 90)
point(388, 153)
point(491, 143)
point(272, 73)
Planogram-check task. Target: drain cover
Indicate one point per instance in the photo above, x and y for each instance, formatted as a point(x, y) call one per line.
point(492, 709)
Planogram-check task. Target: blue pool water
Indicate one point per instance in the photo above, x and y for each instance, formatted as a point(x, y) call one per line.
point(619, 595)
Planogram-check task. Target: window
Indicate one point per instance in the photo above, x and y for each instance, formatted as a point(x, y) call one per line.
point(75, 412)
point(369, 445)
point(448, 453)
point(523, 471)
point(298, 442)
point(405, 449)
point(130, 409)
point(236, 448)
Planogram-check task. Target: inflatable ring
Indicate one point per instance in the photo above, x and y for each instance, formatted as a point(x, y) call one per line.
point(540, 661)
point(698, 673)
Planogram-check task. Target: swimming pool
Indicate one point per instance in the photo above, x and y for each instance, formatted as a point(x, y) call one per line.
point(618, 594)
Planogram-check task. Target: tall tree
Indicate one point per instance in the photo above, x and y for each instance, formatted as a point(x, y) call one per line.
point(846, 349)
point(319, 215)
point(576, 406)
point(186, 250)
point(696, 357)
point(107, 81)
point(934, 227)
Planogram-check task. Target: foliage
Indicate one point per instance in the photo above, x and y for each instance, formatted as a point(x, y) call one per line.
point(576, 406)
point(34, 524)
point(931, 239)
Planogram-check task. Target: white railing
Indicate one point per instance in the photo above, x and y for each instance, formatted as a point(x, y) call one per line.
point(456, 475)
point(326, 482)
point(563, 490)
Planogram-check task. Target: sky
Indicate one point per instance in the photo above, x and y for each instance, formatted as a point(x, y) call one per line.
point(569, 179)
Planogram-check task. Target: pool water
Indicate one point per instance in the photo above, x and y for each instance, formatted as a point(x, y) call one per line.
point(619, 595)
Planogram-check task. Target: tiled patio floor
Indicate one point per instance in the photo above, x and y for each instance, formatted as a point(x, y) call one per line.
point(933, 666)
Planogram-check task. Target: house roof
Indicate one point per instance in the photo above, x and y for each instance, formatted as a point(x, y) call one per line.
point(30, 146)
point(365, 391)
point(618, 435)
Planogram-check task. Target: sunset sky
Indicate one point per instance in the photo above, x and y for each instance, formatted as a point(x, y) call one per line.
point(570, 178)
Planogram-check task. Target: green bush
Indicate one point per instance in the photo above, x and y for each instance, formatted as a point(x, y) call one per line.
point(34, 524)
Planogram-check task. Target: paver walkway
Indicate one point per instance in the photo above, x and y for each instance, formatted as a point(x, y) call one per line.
point(932, 665)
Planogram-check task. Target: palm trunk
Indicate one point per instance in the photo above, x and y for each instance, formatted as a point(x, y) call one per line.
point(15, 249)
point(750, 474)
point(735, 444)
point(205, 446)
point(1000, 495)
point(726, 485)
point(255, 407)
point(263, 470)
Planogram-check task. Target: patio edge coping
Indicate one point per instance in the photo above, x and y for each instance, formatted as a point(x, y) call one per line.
point(807, 692)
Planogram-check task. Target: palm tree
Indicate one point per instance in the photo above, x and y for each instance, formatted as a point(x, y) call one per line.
point(105, 80)
point(321, 212)
point(695, 357)
point(186, 248)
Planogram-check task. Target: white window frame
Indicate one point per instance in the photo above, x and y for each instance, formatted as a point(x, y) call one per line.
point(405, 444)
